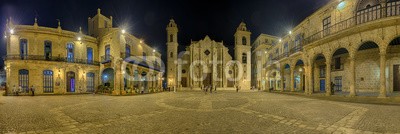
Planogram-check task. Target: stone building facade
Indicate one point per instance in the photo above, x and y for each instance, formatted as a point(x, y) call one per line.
point(259, 53)
point(56, 61)
point(353, 45)
point(207, 63)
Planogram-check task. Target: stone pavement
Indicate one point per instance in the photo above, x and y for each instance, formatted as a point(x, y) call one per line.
point(193, 112)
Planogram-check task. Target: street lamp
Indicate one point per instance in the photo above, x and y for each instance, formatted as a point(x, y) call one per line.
point(11, 31)
point(123, 31)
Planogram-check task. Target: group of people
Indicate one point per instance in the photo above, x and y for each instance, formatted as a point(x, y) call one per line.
point(20, 90)
point(209, 88)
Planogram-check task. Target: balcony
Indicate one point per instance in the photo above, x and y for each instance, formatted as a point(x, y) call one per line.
point(106, 59)
point(367, 15)
point(49, 58)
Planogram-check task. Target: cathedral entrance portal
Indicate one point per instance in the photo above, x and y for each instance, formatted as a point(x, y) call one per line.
point(207, 81)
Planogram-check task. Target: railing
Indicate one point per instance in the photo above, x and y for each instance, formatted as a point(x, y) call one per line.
point(50, 58)
point(144, 62)
point(362, 16)
point(106, 59)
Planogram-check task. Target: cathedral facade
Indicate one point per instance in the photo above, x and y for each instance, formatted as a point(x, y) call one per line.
point(207, 63)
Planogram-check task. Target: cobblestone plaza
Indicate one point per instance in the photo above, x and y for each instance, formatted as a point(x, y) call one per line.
point(193, 112)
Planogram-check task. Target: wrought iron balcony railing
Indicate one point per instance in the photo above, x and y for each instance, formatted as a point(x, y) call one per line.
point(106, 59)
point(367, 15)
point(51, 58)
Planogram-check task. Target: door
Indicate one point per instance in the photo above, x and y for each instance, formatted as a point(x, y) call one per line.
point(322, 85)
point(184, 82)
point(70, 82)
point(47, 50)
point(396, 78)
point(207, 80)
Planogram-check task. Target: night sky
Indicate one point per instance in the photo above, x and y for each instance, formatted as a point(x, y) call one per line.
point(147, 19)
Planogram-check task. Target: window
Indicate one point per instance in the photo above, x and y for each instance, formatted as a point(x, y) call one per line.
point(338, 84)
point(171, 38)
point(127, 51)
point(48, 81)
point(286, 48)
point(89, 55)
point(23, 80)
point(244, 40)
point(244, 58)
point(338, 64)
point(23, 46)
point(326, 23)
point(298, 40)
point(47, 50)
point(90, 82)
point(322, 71)
point(107, 53)
point(70, 52)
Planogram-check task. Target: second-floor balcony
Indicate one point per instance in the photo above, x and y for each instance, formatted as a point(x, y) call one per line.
point(51, 58)
point(106, 59)
point(364, 16)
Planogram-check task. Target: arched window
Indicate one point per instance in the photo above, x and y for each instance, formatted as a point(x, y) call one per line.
point(23, 79)
point(171, 38)
point(244, 58)
point(47, 50)
point(48, 81)
point(23, 48)
point(70, 52)
point(90, 82)
point(244, 40)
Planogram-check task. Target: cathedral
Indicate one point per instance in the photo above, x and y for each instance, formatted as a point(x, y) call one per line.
point(207, 63)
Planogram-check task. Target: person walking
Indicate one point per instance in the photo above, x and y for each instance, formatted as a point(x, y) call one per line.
point(237, 89)
point(210, 89)
point(33, 90)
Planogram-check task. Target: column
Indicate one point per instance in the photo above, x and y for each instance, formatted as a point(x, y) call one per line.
point(292, 79)
point(310, 79)
point(352, 78)
point(328, 77)
point(282, 79)
point(306, 72)
point(383, 76)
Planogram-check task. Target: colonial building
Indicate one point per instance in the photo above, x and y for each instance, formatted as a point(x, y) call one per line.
point(259, 59)
point(353, 45)
point(56, 61)
point(207, 63)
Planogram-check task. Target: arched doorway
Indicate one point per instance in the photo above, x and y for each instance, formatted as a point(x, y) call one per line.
point(367, 67)
point(107, 77)
point(70, 82)
point(286, 77)
point(299, 76)
point(319, 73)
point(338, 74)
point(394, 63)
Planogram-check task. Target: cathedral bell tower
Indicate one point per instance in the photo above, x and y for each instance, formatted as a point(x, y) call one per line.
point(243, 55)
point(172, 54)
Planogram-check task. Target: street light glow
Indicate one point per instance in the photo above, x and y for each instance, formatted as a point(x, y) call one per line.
point(290, 32)
point(79, 38)
point(11, 31)
point(123, 31)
